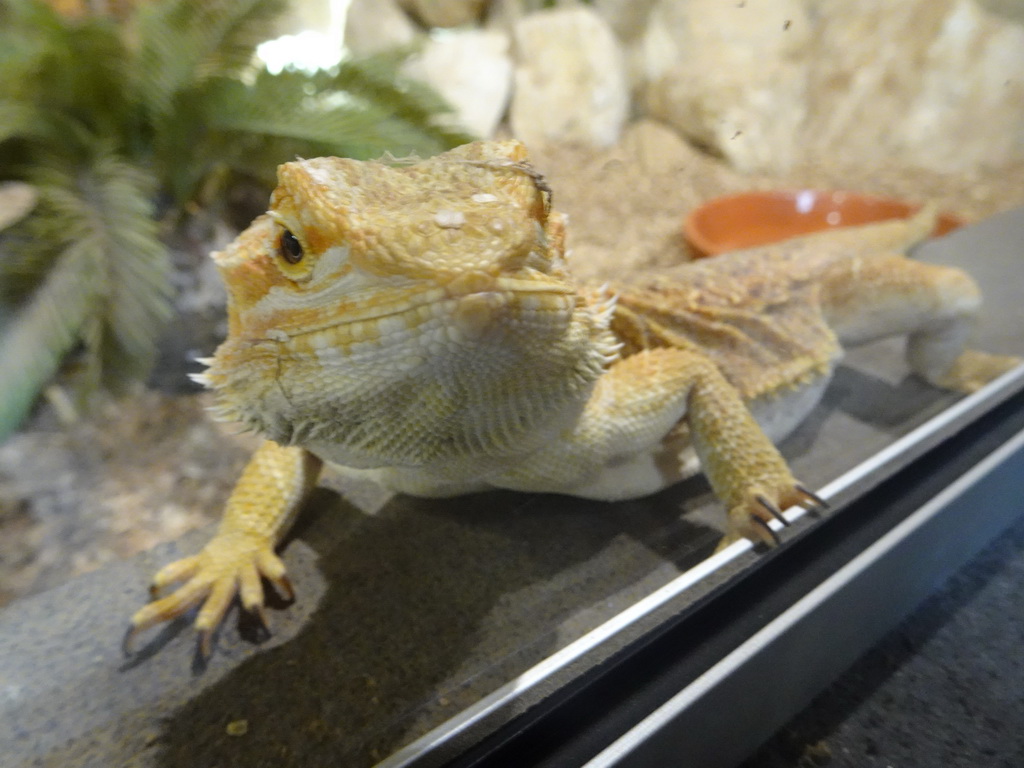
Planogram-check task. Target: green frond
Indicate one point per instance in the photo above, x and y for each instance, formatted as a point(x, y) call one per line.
point(182, 43)
point(54, 72)
point(136, 297)
point(36, 339)
point(27, 30)
point(362, 111)
point(89, 81)
point(349, 127)
point(103, 282)
point(20, 120)
point(252, 128)
point(30, 32)
point(378, 79)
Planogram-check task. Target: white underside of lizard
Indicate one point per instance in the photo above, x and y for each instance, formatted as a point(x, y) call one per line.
point(627, 475)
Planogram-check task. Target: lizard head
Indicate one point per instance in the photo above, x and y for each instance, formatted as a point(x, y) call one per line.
point(375, 300)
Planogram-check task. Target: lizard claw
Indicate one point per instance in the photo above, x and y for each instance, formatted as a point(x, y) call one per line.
point(773, 510)
point(128, 641)
point(204, 646)
point(772, 534)
point(752, 517)
point(810, 500)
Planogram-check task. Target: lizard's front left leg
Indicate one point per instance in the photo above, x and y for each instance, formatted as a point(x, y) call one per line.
point(742, 465)
point(618, 447)
point(258, 514)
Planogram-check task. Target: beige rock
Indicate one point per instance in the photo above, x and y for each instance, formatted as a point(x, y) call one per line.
point(472, 70)
point(933, 83)
point(770, 85)
point(655, 147)
point(627, 18)
point(731, 76)
point(445, 13)
point(570, 80)
point(504, 14)
point(372, 26)
point(313, 15)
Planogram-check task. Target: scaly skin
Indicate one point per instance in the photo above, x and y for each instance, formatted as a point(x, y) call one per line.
point(418, 324)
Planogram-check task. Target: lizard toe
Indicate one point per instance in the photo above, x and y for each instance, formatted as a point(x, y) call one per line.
point(754, 515)
point(230, 565)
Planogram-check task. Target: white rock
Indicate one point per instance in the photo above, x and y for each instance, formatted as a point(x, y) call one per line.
point(570, 80)
point(730, 75)
point(472, 70)
point(445, 13)
point(372, 26)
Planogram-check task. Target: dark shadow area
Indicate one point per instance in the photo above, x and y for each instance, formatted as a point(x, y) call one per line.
point(873, 400)
point(136, 653)
point(430, 605)
point(941, 689)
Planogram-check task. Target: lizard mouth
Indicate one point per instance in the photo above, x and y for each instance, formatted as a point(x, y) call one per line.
point(405, 308)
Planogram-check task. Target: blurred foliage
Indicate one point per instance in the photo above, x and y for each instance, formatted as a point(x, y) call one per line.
point(122, 125)
point(547, 4)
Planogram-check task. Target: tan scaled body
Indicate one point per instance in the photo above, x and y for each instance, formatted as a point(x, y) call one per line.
point(417, 323)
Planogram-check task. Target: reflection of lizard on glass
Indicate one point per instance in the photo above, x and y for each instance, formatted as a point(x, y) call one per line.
point(418, 325)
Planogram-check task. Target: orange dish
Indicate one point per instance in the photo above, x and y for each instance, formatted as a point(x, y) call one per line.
point(750, 219)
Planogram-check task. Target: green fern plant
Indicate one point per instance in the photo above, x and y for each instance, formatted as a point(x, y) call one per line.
point(121, 125)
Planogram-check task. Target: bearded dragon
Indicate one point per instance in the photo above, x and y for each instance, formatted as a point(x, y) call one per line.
point(419, 324)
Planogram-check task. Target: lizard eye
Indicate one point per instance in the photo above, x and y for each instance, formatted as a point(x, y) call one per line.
point(291, 248)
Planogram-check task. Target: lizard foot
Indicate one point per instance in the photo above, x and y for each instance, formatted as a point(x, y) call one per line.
point(974, 369)
point(231, 564)
point(752, 517)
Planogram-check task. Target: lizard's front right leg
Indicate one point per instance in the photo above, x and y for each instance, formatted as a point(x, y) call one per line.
point(259, 512)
